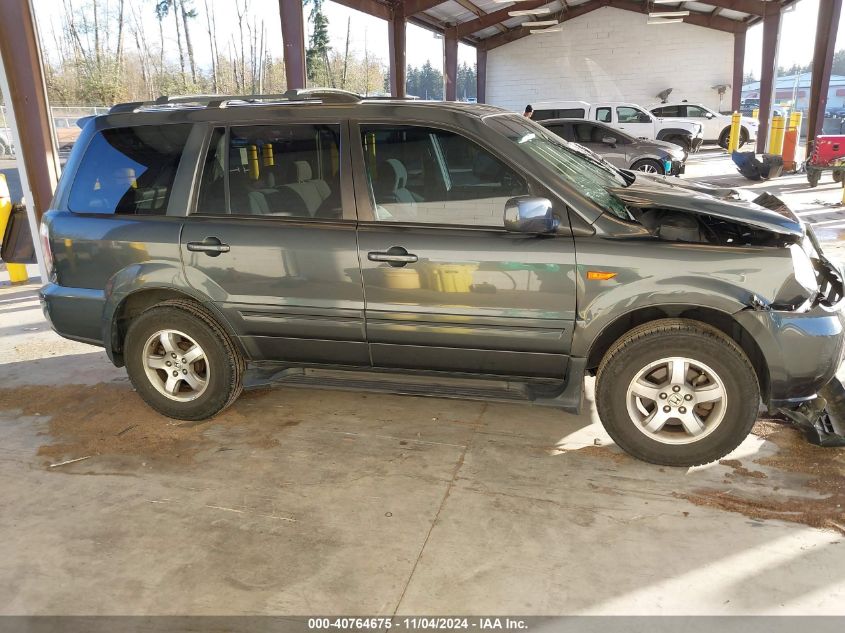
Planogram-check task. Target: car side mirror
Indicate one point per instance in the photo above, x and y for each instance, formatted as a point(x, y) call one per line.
point(710, 115)
point(527, 214)
point(609, 140)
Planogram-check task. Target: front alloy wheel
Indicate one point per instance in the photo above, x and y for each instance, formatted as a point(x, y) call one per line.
point(677, 400)
point(677, 392)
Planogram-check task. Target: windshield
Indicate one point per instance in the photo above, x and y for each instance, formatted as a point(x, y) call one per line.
point(587, 172)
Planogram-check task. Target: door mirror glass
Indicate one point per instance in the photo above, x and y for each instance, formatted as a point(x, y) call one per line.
point(527, 214)
point(710, 115)
point(609, 140)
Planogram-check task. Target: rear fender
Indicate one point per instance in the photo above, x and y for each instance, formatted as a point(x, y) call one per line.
point(162, 280)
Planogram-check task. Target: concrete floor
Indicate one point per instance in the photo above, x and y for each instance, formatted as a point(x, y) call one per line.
point(314, 502)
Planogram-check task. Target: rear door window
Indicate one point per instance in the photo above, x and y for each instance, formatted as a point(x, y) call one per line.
point(129, 171)
point(273, 170)
point(668, 111)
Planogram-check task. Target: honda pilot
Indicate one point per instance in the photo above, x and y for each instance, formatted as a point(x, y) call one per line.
point(458, 250)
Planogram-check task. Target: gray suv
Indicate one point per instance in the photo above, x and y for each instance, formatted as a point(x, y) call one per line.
point(320, 238)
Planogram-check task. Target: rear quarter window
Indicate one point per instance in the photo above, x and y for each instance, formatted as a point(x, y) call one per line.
point(129, 171)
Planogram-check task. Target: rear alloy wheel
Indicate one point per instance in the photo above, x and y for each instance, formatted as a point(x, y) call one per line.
point(649, 166)
point(181, 362)
point(677, 392)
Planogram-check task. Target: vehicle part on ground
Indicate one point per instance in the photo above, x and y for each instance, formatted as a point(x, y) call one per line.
point(181, 362)
point(771, 166)
point(690, 393)
point(823, 419)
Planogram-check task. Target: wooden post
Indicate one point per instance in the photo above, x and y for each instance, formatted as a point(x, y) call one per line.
point(396, 42)
point(450, 63)
point(739, 62)
point(293, 39)
point(481, 74)
point(826, 28)
point(28, 113)
point(771, 36)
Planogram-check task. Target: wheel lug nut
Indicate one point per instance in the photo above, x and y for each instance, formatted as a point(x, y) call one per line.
point(183, 360)
point(676, 388)
point(682, 410)
point(663, 396)
point(175, 373)
point(172, 355)
point(167, 363)
point(667, 409)
point(687, 397)
point(185, 371)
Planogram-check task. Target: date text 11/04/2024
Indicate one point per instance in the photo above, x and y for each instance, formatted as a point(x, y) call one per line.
point(419, 623)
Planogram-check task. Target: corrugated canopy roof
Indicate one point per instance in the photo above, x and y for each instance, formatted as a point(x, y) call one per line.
point(487, 23)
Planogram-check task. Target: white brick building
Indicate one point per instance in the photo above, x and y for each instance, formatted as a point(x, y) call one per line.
point(612, 55)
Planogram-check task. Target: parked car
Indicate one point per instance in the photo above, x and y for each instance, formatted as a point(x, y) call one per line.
point(716, 127)
point(620, 149)
point(627, 117)
point(430, 248)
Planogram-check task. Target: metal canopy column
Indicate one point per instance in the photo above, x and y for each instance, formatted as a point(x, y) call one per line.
point(28, 113)
point(293, 38)
point(826, 28)
point(481, 74)
point(739, 61)
point(450, 63)
point(396, 41)
point(771, 37)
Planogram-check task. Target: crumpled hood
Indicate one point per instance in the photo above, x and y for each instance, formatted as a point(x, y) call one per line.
point(763, 211)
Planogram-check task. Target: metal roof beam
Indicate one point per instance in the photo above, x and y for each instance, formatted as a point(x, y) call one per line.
point(709, 21)
point(754, 7)
point(418, 6)
point(518, 32)
point(497, 17)
point(370, 7)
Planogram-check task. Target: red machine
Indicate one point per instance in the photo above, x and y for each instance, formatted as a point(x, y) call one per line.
point(828, 155)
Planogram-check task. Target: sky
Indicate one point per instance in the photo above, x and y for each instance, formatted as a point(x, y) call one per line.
point(796, 44)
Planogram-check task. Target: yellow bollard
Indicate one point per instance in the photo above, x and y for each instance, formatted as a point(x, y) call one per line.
point(252, 157)
point(795, 121)
point(733, 139)
point(755, 113)
point(267, 155)
point(17, 272)
point(776, 135)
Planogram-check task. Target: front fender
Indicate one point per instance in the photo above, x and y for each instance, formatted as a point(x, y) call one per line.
point(673, 297)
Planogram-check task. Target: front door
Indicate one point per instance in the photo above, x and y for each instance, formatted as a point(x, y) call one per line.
point(272, 242)
point(635, 122)
point(447, 288)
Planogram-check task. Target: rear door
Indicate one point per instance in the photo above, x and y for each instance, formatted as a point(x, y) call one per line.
point(447, 288)
point(271, 240)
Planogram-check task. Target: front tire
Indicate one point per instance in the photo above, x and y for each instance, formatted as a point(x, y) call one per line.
point(677, 392)
point(181, 362)
point(649, 166)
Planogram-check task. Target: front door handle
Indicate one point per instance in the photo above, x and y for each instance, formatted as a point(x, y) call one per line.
point(211, 246)
point(396, 256)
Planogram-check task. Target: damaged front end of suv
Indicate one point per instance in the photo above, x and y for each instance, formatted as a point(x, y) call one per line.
point(798, 324)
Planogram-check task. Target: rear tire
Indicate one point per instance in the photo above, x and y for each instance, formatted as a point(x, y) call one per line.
point(181, 362)
point(703, 393)
point(837, 175)
point(649, 166)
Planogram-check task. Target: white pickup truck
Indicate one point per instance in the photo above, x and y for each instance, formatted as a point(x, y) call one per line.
point(632, 119)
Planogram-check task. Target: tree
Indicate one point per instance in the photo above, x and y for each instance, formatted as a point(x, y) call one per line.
point(838, 67)
point(318, 68)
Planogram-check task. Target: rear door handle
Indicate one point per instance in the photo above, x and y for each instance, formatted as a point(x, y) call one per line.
point(395, 256)
point(211, 246)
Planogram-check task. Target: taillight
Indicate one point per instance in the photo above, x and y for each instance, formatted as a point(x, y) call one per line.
point(44, 232)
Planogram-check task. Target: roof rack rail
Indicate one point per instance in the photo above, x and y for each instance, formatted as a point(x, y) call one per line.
point(326, 95)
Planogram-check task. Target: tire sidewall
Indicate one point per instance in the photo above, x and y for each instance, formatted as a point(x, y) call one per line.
point(727, 362)
point(221, 375)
